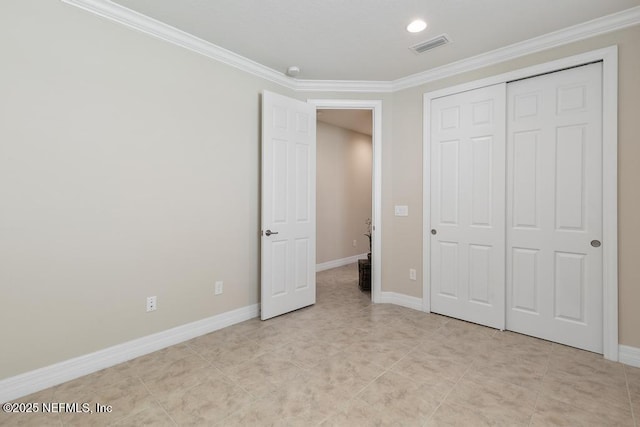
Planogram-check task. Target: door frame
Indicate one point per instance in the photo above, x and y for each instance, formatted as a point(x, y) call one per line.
point(375, 106)
point(609, 58)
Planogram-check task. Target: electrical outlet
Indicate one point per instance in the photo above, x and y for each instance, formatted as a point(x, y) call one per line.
point(355, 243)
point(152, 303)
point(412, 274)
point(219, 287)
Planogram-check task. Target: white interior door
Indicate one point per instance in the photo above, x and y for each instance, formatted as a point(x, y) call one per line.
point(288, 238)
point(468, 205)
point(554, 262)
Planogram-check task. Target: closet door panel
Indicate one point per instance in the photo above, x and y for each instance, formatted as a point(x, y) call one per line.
point(554, 193)
point(467, 205)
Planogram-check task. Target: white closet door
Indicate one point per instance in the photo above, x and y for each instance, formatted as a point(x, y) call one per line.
point(554, 211)
point(468, 205)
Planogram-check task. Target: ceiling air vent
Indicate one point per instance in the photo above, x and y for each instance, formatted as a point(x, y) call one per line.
point(431, 44)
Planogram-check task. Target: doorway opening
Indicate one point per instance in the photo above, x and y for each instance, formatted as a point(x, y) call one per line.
point(372, 108)
point(344, 163)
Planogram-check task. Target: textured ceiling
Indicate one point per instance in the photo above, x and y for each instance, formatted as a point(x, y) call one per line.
point(366, 39)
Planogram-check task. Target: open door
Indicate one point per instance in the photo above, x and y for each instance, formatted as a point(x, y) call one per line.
point(288, 236)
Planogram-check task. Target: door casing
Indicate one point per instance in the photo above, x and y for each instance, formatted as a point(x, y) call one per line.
point(609, 58)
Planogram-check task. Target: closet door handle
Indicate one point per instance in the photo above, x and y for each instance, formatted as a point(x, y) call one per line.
point(269, 232)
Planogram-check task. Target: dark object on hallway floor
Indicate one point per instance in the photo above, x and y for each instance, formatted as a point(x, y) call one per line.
point(364, 268)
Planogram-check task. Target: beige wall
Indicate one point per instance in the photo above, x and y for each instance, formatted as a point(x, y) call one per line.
point(404, 247)
point(129, 167)
point(343, 180)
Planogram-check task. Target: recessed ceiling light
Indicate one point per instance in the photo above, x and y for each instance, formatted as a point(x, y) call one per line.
point(416, 26)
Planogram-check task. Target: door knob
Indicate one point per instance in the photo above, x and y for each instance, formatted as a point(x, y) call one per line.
point(269, 232)
point(595, 243)
point(433, 231)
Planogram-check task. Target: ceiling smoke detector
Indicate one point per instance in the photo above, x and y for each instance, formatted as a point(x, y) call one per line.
point(293, 71)
point(441, 40)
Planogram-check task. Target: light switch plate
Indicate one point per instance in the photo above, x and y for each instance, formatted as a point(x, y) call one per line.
point(401, 210)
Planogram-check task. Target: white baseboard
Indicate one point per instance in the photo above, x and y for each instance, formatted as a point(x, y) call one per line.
point(629, 355)
point(339, 262)
point(49, 376)
point(401, 299)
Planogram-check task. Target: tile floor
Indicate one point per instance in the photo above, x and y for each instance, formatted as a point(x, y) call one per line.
point(346, 362)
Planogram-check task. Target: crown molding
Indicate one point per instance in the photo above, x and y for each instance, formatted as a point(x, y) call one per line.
point(367, 86)
point(150, 26)
point(603, 25)
point(137, 21)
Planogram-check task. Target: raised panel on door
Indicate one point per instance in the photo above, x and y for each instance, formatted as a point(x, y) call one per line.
point(480, 274)
point(570, 177)
point(302, 273)
point(554, 191)
point(302, 183)
point(481, 181)
point(448, 174)
point(279, 190)
point(448, 282)
point(278, 268)
point(467, 205)
point(524, 280)
point(525, 179)
point(569, 287)
point(449, 118)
